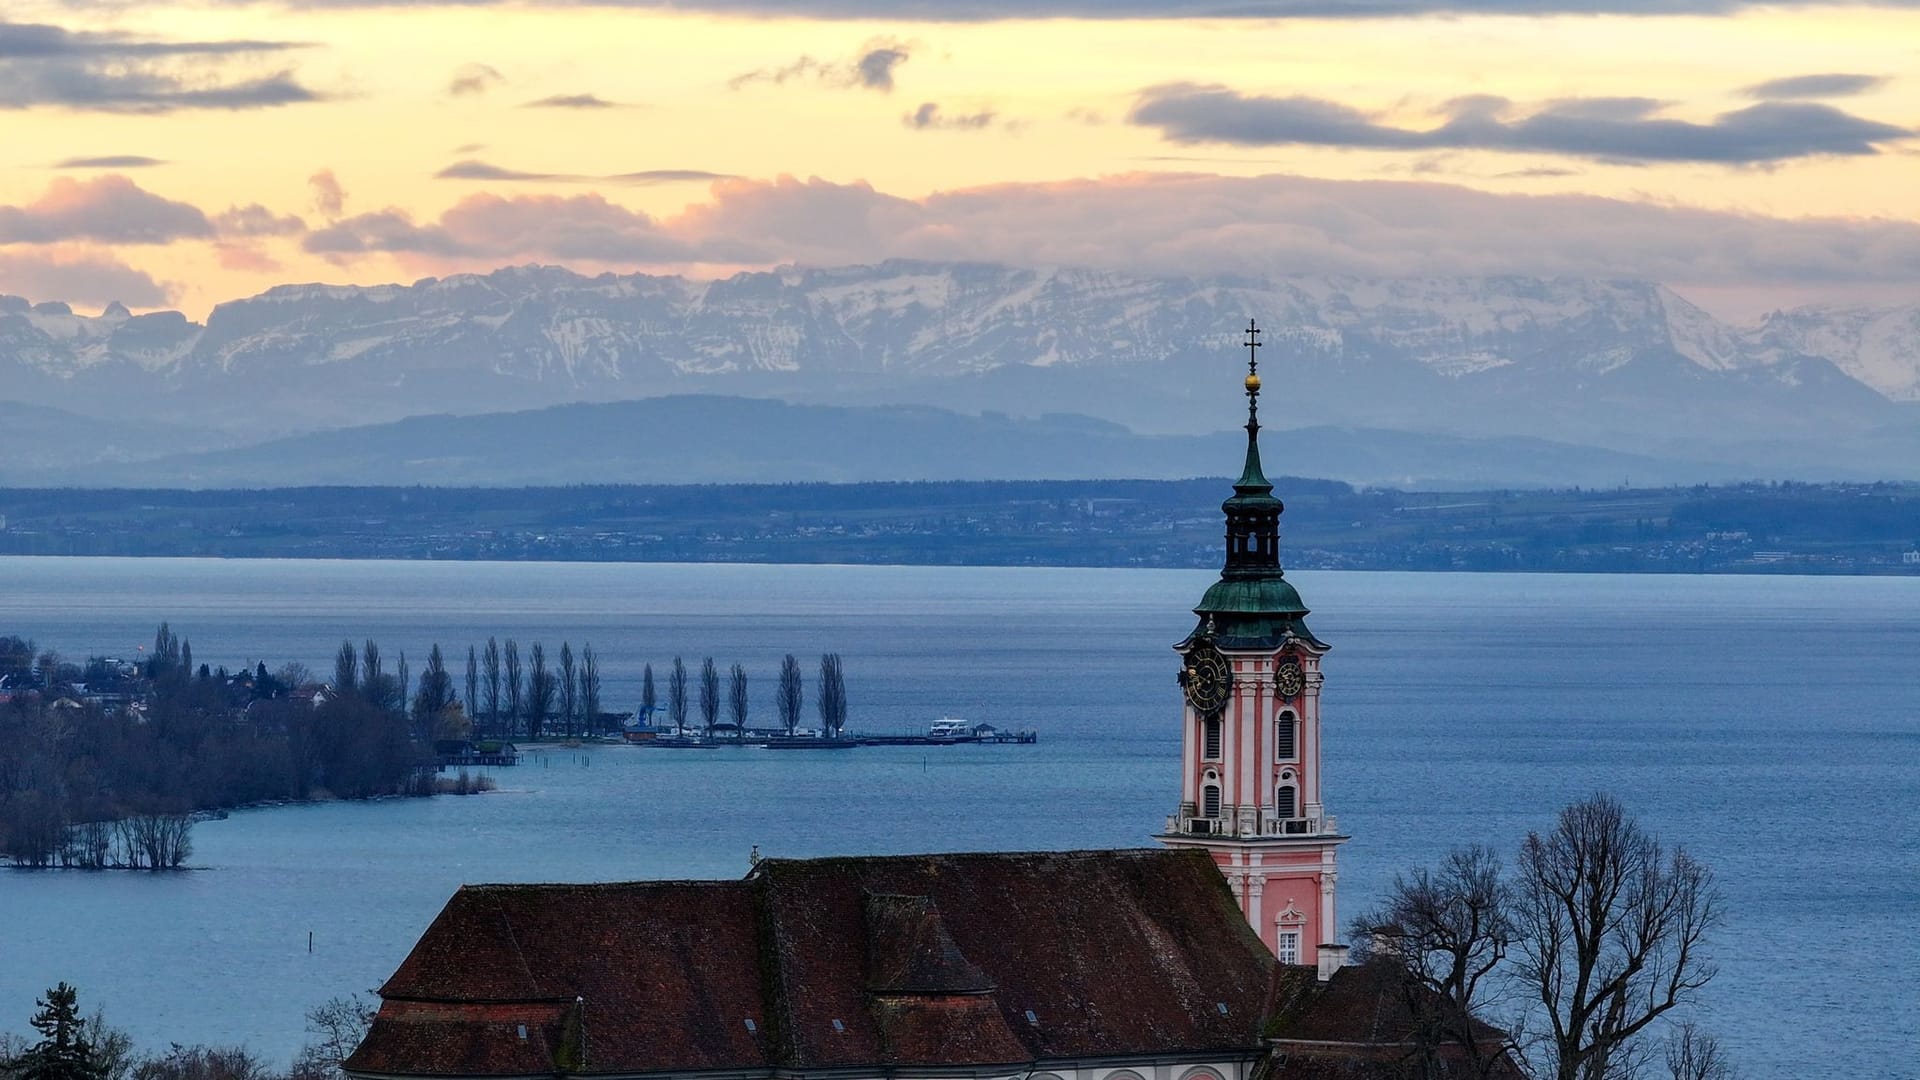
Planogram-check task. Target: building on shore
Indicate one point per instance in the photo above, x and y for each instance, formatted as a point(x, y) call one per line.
point(1186, 962)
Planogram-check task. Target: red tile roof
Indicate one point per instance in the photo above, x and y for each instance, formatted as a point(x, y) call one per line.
point(989, 959)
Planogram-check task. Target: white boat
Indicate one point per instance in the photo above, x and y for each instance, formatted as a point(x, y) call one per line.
point(949, 728)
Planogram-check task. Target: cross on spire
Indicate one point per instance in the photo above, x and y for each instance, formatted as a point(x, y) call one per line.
point(1253, 376)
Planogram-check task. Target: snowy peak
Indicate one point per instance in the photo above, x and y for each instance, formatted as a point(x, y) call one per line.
point(1877, 346)
point(1623, 364)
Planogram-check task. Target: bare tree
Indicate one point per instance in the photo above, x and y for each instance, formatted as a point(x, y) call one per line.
point(400, 681)
point(490, 667)
point(473, 682)
point(346, 668)
point(737, 699)
point(370, 666)
point(589, 686)
point(1610, 931)
point(334, 1028)
point(539, 692)
point(831, 696)
point(434, 695)
point(1446, 933)
point(1694, 1055)
point(791, 694)
point(709, 693)
point(677, 695)
point(513, 683)
point(569, 689)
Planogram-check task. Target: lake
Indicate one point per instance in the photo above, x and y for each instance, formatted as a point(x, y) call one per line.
point(1772, 724)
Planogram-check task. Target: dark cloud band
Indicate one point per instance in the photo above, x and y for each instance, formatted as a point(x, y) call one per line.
point(996, 10)
point(1605, 129)
point(43, 65)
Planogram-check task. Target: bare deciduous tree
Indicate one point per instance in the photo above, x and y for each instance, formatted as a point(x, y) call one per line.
point(1446, 932)
point(490, 666)
point(589, 686)
point(831, 696)
point(539, 692)
point(791, 693)
point(513, 683)
point(473, 682)
point(346, 668)
point(569, 689)
point(709, 693)
point(1610, 930)
point(677, 695)
point(1694, 1055)
point(737, 699)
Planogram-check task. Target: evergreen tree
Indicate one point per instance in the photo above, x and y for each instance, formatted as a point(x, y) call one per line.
point(64, 1052)
point(648, 700)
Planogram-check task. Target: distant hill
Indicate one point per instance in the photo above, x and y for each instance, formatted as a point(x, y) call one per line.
point(713, 439)
point(1625, 366)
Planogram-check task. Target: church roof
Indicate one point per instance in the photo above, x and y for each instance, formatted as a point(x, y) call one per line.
point(965, 959)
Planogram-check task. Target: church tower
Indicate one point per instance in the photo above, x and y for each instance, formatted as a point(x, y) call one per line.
point(1250, 790)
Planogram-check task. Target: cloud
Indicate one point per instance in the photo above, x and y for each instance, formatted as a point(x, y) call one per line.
point(572, 101)
point(111, 71)
point(580, 227)
point(471, 79)
point(928, 117)
point(328, 196)
point(480, 170)
point(668, 176)
point(1605, 129)
point(1157, 223)
point(1815, 86)
point(255, 220)
point(111, 161)
point(871, 68)
point(964, 11)
point(85, 278)
point(108, 209)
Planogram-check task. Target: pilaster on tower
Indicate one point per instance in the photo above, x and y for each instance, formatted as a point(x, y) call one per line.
point(1250, 783)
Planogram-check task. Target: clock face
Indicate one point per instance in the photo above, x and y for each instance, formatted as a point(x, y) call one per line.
point(1288, 679)
point(1208, 679)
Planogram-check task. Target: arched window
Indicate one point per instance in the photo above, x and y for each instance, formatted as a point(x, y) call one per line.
point(1283, 737)
point(1284, 803)
point(1211, 749)
point(1210, 801)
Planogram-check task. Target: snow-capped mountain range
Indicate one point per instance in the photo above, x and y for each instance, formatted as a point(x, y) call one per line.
point(1626, 365)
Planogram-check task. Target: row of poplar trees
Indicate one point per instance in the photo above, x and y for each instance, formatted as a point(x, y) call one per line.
point(789, 699)
point(508, 696)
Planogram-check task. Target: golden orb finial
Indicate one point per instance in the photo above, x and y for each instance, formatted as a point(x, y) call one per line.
point(1253, 384)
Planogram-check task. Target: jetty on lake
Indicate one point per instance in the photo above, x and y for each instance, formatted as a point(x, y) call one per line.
point(942, 733)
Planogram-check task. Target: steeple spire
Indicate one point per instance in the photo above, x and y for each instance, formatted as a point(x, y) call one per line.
point(1252, 480)
point(1253, 514)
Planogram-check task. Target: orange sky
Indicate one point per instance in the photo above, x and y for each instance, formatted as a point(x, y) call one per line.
point(402, 92)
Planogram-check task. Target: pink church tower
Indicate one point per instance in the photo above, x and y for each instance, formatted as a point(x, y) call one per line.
point(1250, 791)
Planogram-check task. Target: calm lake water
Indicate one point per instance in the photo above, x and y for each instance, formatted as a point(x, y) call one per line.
point(1772, 724)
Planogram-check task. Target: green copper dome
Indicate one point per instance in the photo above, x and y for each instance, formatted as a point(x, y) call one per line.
point(1252, 596)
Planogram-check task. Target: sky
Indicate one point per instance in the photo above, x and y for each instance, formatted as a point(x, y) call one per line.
point(171, 155)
